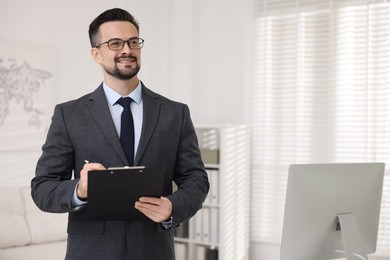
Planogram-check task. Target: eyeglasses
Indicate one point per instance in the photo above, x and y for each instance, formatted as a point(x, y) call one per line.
point(118, 44)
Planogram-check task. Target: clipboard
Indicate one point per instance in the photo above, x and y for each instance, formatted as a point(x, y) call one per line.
point(112, 193)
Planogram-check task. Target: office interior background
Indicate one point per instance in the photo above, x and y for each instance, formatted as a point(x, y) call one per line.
point(310, 78)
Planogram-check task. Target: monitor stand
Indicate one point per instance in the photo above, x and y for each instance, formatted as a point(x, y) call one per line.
point(351, 237)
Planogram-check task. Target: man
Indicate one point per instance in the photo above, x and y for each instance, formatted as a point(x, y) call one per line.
point(89, 128)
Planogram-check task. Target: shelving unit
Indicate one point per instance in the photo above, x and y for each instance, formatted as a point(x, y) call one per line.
point(220, 230)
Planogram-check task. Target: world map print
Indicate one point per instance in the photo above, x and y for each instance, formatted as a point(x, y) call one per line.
point(20, 82)
point(28, 94)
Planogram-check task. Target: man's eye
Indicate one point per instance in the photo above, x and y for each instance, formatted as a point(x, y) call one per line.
point(134, 42)
point(115, 43)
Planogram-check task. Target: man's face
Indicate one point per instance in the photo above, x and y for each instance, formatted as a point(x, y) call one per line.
point(122, 64)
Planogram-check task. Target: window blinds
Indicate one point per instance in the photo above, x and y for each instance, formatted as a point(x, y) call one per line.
point(321, 93)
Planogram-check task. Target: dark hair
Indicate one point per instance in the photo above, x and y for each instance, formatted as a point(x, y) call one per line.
point(115, 14)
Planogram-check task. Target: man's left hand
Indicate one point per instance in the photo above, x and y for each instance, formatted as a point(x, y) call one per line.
point(157, 209)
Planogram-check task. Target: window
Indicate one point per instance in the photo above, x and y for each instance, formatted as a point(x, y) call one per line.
point(321, 94)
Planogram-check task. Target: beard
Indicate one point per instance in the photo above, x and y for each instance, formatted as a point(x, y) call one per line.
point(117, 73)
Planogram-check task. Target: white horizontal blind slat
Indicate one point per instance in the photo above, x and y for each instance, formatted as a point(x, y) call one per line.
point(321, 94)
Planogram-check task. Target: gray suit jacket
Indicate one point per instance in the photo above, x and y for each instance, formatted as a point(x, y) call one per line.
point(83, 129)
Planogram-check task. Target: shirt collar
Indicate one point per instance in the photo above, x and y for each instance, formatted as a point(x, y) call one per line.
point(112, 96)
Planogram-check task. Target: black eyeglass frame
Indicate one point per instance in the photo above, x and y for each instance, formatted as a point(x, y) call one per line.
point(140, 42)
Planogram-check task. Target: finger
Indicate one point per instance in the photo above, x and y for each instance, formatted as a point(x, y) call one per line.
point(147, 206)
point(146, 210)
point(93, 166)
point(159, 212)
point(90, 167)
point(151, 200)
point(150, 213)
point(157, 201)
point(82, 189)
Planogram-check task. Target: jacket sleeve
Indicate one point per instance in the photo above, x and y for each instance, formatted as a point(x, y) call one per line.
point(52, 187)
point(190, 174)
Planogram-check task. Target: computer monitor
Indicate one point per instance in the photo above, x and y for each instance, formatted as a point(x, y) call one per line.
point(332, 211)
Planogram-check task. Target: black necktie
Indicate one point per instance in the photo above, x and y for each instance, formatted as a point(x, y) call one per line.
point(127, 129)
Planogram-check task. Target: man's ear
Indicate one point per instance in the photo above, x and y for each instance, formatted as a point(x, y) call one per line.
point(95, 52)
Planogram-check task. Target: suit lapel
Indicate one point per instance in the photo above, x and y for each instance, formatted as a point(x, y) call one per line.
point(150, 118)
point(97, 104)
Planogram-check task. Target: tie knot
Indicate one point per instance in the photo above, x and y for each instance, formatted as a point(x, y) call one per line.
point(124, 102)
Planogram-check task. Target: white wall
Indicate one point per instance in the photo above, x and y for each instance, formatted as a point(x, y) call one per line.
point(196, 52)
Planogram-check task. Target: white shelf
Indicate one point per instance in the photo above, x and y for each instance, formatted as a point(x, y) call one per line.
point(223, 222)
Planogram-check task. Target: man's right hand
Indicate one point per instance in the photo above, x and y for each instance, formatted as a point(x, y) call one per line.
point(82, 189)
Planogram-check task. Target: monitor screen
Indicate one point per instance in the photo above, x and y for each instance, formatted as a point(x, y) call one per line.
point(332, 210)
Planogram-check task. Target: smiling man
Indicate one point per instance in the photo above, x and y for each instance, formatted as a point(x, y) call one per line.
point(121, 123)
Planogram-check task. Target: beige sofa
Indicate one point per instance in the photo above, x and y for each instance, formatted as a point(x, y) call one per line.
point(25, 231)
